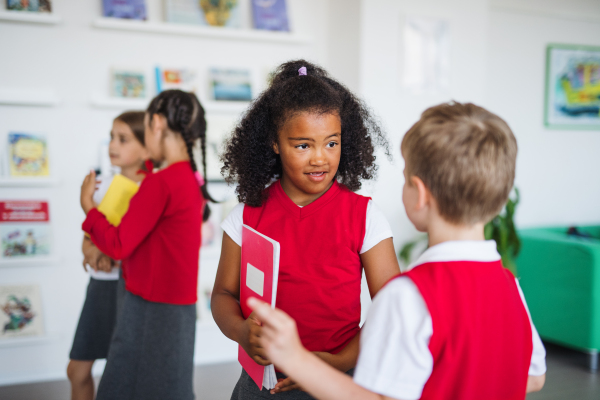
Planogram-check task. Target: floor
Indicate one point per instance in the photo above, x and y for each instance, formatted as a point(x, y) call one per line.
point(567, 379)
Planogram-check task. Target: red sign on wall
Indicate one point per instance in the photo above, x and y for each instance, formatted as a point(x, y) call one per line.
point(24, 211)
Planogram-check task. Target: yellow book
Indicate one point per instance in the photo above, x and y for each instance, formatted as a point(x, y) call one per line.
point(115, 203)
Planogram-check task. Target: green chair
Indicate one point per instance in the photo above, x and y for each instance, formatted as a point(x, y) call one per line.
point(560, 277)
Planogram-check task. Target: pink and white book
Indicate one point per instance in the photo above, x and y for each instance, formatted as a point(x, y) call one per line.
point(259, 275)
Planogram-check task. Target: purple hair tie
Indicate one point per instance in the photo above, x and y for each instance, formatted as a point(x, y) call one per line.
point(302, 71)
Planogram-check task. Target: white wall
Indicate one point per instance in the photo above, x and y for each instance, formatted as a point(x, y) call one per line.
point(73, 59)
point(497, 60)
point(380, 65)
point(557, 170)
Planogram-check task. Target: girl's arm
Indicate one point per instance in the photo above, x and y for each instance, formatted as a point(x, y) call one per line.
point(380, 264)
point(225, 303)
point(97, 260)
point(282, 344)
point(145, 209)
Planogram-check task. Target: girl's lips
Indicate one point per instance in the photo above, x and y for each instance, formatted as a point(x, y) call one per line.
point(317, 176)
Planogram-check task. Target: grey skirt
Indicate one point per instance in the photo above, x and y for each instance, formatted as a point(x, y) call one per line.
point(152, 352)
point(246, 389)
point(97, 320)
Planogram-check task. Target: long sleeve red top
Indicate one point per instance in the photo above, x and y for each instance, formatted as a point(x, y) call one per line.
point(160, 236)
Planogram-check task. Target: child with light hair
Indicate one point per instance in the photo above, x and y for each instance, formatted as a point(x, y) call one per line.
point(456, 325)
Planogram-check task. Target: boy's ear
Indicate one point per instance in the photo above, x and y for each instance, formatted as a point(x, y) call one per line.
point(424, 195)
point(276, 148)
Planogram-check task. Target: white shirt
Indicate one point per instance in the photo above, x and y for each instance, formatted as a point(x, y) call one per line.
point(101, 190)
point(394, 359)
point(377, 227)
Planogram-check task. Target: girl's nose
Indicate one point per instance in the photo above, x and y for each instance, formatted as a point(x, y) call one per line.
point(318, 158)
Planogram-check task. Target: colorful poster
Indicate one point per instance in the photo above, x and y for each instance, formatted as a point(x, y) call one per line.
point(24, 229)
point(129, 9)
point(29, 5)
point(219, 13)
point(231, 84)
point(176, 78)
point(129, 84)
point(27, 155)
point(270, 15)
point(21, 311)
point(572, 87)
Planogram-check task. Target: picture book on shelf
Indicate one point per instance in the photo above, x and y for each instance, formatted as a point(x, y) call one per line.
point(231, 84)
point(128, 84)
point(29, 5)
point(176, 78)
point(270, 15)
point(21, 311)
point(222, 13)
point(27, 155)
point(128, 9)
point(24, 229)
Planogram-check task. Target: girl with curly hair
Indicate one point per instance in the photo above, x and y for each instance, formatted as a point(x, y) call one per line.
point(297, 156)
point(151, 354)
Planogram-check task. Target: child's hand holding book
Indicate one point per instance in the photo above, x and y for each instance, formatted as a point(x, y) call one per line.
point(279, 336)
point(250, 340)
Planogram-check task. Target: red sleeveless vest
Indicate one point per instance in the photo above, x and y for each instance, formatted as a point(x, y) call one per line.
point(482, 342)
point(320, 269)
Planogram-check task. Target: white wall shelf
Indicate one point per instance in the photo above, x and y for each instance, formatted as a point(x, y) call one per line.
point(119, 103)
point(25, 97)
point(225, 107)
point(28, 182)
point(29, 340)
point(29, 262)
point(30, 17)
point(202, 31)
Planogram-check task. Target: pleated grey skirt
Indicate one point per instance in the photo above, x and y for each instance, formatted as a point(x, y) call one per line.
point(246, 389)
point(152, 352)
point(97, 320)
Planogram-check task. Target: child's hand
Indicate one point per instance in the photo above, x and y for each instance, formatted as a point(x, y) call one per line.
point(97, 260)
point(88, 187)
point(287, 384)
point(251, 340)
point(105, 263)
point(279, 337)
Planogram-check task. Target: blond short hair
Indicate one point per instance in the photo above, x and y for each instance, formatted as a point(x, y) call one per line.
point(466, 156)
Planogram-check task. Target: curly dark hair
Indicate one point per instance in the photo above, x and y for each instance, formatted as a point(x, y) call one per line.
point(185, 115)
point(249, 159)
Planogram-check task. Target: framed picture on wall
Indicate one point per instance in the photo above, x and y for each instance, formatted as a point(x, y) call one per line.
point(572, 98)
point(20, 311)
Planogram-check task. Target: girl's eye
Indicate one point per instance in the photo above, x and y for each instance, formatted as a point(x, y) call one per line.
point(302, 146)
point(331, 144)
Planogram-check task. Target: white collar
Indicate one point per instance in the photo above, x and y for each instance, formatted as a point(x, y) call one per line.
point(459, 250)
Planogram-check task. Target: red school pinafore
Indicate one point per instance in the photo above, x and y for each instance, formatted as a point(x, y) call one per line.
point(320, 269)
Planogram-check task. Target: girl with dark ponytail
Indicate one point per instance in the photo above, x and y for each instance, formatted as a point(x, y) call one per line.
point(151, 354)
point(298, 155)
